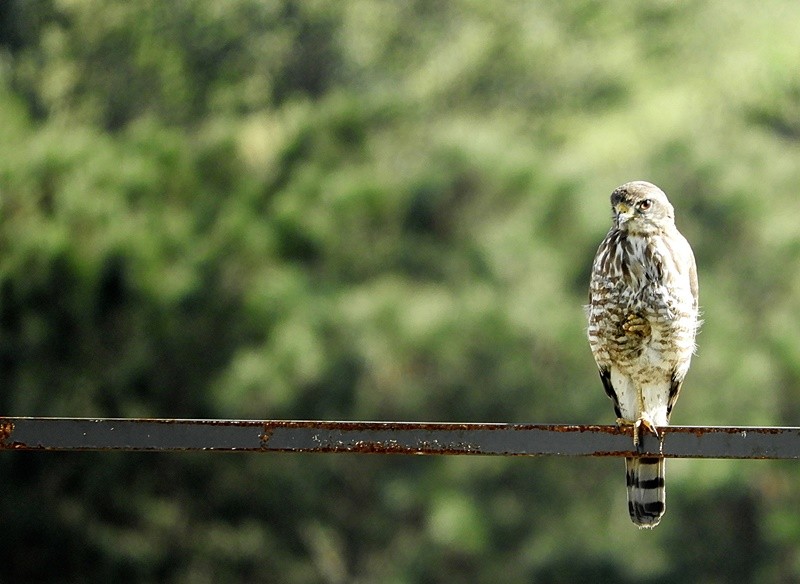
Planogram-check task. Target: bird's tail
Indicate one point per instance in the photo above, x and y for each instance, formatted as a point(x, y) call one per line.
point(646, 494)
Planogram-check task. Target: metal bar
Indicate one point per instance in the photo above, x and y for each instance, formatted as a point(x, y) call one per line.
point(70, 434)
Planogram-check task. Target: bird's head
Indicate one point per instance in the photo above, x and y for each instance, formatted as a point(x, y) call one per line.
point(641, 207)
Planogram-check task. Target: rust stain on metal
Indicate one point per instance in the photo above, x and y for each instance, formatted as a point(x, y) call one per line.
point(266, 435)
point(366, 447)
point(394, 426)
point(6, 429)
point(184, 422)
point(440, 426)
point(568, 428)
point(700, 431)
point(626, 453)
point(380, 437)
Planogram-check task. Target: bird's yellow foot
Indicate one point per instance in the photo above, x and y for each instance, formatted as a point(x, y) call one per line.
point(649, 424)
point(634, 424)
point(636, 325)
point(643, 421)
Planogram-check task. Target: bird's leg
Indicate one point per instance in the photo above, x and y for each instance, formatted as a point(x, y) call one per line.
point(643, 421)
point(636, 324)
point(634, 425)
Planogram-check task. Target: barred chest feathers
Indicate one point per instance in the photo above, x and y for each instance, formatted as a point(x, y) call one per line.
point(642, 275)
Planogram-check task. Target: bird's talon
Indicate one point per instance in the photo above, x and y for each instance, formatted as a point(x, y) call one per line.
point(635, 324)
point(650, 425)
point(637, 426)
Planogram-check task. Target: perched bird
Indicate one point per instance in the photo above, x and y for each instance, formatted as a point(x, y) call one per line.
point(643, 317)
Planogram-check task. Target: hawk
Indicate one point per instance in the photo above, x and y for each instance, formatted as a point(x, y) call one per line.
point(643, 317)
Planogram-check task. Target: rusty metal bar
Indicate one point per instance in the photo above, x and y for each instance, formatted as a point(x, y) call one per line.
point(71, 434)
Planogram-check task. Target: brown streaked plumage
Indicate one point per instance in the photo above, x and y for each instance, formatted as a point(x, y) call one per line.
point(643, 317)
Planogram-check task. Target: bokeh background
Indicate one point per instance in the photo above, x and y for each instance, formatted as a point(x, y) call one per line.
point(371, 209)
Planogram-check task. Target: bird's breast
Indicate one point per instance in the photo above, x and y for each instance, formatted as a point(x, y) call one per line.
point(642, 308)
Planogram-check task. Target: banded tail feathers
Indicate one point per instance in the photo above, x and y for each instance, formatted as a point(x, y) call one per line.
point(646, 491)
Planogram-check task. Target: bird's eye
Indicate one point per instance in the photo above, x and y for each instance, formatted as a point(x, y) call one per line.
point(645, 205)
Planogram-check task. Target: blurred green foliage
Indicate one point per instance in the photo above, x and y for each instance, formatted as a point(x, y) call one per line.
point(376, 209)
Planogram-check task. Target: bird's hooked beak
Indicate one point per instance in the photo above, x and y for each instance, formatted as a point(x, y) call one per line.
point(624, 212)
